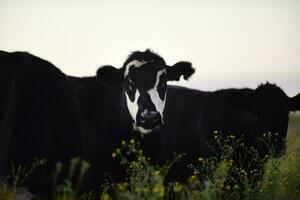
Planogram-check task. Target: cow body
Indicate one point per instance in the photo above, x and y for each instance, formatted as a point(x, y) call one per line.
point(202, 113)
point(107, 122)
point(39, 117)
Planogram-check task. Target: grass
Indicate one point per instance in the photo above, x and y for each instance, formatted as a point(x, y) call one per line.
point(222, 177)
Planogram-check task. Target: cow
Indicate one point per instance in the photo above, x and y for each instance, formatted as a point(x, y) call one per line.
point(144, 76)
point(270, 108)
point(42, 116)
point(39, 118)
point(138, 103)
point(123, 103)
point(248, 112)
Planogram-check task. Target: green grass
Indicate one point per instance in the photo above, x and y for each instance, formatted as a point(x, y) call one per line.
point(213, 178)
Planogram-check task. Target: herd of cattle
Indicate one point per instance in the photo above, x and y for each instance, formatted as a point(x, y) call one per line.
point(47, 114)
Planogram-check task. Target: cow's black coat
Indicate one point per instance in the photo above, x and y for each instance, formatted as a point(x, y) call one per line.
point(39, 117)
point(107, 122)
point(247, 112)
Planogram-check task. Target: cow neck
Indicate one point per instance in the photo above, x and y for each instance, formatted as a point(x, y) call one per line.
point(124, 125)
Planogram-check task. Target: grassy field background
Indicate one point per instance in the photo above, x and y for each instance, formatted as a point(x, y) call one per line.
point(294, 124)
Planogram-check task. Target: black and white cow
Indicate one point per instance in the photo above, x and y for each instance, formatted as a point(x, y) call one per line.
point(125, 103)
point(39, 117)
point(144, 76)
point(176, 119)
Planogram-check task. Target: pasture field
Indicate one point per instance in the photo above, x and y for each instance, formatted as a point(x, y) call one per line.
point(294, 124)
point(212, 179)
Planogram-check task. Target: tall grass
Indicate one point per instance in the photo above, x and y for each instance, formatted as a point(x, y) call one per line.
point(236, 172)
point(19, 175)
point(66, 186)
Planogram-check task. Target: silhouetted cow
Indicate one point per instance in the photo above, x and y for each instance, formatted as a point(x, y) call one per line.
point(245, 112)
point(39, 117)
point(270, 108)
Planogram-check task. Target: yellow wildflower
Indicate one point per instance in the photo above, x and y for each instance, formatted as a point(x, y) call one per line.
point(192, 179)
point(105, 197)
point(122, 186)
point(159, 189)
point(156, 172)
point(144, 190)
point(177, 187)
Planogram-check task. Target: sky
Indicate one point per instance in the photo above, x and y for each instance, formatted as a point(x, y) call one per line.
point(232, 43)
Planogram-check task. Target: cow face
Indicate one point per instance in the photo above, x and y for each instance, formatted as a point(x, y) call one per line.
point(270, 107)
point(144, 76)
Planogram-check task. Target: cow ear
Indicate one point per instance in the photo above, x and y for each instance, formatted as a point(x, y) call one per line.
point(294, 103)
point(182, 68)
point(241, 99)
point(111, 75)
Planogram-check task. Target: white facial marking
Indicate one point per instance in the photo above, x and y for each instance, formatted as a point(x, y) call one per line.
point(156, 100)
point(134, 63)
point(133, 106)
point(141, 129)
point(153, 93)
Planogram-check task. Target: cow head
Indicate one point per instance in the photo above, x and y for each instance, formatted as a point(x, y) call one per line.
point(270, 106)
point(144, 76)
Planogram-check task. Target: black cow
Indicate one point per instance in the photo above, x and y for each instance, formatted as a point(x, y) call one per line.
point(39, 117)
point(247, 112)
point(270, 108)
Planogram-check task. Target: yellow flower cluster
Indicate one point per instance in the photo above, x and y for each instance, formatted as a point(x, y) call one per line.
point(122, 186)
point(158, 189)
point(177, 187)
point(191, 179)
point(232, 136)
point(105, 197)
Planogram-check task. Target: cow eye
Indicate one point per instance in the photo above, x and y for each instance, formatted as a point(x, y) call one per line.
point(162, 85)
point(130, 90)
point(162, 88)
point(163, 81)
point(130, 86)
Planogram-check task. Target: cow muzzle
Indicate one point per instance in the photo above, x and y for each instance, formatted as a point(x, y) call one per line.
point(149, 120)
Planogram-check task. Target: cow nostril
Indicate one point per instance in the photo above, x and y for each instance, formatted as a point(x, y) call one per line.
point(149, 115)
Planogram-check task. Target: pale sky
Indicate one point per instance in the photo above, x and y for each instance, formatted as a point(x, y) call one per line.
point(231, 43)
